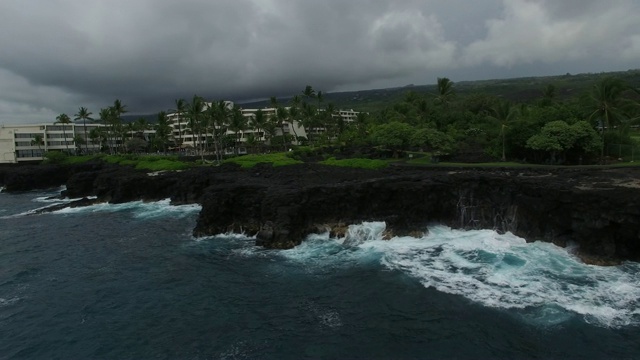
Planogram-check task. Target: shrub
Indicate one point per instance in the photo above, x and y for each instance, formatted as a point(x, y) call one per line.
point(276, 159)
point(356, 163)
point(55, 157)
point(161, 164)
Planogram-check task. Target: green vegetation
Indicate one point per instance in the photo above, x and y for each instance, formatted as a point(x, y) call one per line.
point(162, 164)
point(55, 157)
point(356, 163)
point(276, 159)
point(148, 162)
point(558, 120)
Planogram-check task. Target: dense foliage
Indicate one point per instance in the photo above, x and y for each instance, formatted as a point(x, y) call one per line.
point(551, 125)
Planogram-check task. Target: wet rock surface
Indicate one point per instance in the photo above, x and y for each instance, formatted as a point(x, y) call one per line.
point(598, 209)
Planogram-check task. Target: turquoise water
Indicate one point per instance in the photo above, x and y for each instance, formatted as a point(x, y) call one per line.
point(129, 281)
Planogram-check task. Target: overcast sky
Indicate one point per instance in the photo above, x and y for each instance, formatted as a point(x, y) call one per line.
point(58, 55)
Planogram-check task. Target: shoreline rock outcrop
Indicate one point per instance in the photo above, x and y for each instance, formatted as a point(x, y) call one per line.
point(597, 209)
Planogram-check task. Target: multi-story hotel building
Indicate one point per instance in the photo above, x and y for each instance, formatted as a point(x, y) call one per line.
point(183, 136)
point(19, 143)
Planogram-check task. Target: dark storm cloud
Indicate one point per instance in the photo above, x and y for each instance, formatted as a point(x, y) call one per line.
point(58, 55)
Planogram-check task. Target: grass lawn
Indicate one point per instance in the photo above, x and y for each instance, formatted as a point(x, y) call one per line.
point(275, 159)
point(357, 163)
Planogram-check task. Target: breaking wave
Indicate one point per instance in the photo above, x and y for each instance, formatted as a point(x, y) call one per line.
point(543, 283)
point(140, 209)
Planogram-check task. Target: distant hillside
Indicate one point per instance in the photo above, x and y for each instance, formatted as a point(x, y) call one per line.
point(523, 89)
point(517, 89)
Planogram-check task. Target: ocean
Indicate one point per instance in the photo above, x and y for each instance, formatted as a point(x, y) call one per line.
point(129, 281)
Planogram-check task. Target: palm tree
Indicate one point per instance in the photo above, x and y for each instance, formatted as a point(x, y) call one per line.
point(79, 141)
point(220, 117)
point(107, 118)
point(181, 108)
point(130, 129)
point(118, 109)
point(294, 114)
point(139, 126)
point(194, 113)
point(308, 92)
point(309, 114)
point(330, 121)
point(163, 130)
point(361, 123)
point(38, 140)
point(504, 112)
point(281, 117)
point(237, 124)
point(64, 120)
point(97, 137)
point(445, 91)
point(608, 104)
point(259, 120)
point(549, 93)
point(84, 115)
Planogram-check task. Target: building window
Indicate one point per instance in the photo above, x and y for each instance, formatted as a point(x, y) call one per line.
point(27, 135)
point(29, 153)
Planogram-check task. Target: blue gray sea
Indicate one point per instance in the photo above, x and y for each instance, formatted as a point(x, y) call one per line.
point(128, 281)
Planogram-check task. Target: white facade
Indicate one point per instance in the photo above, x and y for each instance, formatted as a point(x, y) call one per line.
point(17, 142)
point(182, 133)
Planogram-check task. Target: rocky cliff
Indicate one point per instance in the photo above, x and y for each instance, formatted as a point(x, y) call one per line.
point(599, 210)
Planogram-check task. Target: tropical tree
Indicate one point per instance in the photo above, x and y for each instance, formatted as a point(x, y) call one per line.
point(79, 141)
point(38, 140)
point(130, 129)
point(445, 91)
point(281, 118)
point(64, 120)
point(361, 123)
point(395, 136)
point(504, 113)
point(84, 115)
point(558, 137)
point(107, 117)
point(433, 140)
point(97, 137)
point(259, 121)
point(608, 105)
point(309, 93)
point(163, 131)
point(194, 114)
point(237, 124)
point(549, 94)
point(118, 109)
point(181, 108)
point(218, 117)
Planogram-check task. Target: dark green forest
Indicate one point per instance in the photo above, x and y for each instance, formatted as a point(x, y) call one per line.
point(555, 120)
point(569, 119)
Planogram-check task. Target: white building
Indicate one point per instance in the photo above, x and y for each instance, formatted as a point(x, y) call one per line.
point(183, 135)
point(18, 142)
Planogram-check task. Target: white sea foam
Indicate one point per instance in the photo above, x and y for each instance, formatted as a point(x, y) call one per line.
point(55, 200)
point(140, 209)
point(543, 282)
point(7, 302)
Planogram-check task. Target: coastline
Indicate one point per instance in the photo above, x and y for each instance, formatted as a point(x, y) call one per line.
point(597, 209)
